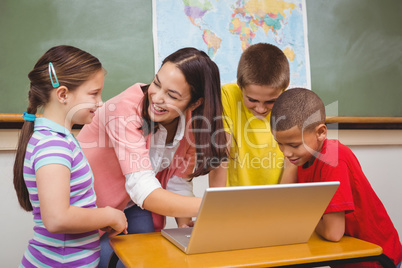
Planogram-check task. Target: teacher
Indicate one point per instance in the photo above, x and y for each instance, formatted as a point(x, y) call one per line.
point(147, 143)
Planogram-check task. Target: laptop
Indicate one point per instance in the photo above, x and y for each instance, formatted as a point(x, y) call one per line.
point(242, 217)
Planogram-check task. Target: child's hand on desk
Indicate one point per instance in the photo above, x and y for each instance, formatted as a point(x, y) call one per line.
point(112, 232)
point(119, 222)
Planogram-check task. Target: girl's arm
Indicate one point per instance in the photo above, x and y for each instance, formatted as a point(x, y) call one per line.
point(332, 226)
point(58, 216)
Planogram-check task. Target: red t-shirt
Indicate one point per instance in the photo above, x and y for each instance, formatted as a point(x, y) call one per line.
point(365, 215)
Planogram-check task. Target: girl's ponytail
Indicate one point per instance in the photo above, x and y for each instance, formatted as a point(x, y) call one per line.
point(38, 95)
point(19, 183)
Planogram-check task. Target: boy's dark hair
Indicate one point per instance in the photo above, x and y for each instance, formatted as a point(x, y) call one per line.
point(297, 107)
point(263, 64)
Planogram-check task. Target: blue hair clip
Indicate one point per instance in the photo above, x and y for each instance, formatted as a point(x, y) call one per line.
point(52, 71)
point(28, 117)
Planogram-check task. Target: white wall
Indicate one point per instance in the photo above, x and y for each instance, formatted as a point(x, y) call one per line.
point(16, 224)
point(381, 164)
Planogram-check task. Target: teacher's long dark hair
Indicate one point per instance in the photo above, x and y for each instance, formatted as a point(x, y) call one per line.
point(202, 74)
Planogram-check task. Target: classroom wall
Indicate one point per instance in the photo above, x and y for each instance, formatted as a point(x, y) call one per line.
point(379, 152)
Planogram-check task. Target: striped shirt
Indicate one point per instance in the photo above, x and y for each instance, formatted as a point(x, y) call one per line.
point(51, 143)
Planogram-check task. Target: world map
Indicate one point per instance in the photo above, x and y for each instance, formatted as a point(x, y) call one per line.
point(225, 28)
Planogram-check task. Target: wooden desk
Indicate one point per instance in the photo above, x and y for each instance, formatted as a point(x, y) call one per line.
point(153, 250)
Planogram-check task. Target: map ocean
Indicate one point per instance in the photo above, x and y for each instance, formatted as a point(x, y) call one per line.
point(224, 28)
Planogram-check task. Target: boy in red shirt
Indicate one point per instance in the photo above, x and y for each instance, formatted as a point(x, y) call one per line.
point(298, 125)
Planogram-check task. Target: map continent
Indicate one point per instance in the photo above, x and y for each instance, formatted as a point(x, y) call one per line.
point(225, 28)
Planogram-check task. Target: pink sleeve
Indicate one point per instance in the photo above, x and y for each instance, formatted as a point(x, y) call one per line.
point(122, 125)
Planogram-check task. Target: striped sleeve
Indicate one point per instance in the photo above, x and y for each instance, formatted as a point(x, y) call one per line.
point(52, 150)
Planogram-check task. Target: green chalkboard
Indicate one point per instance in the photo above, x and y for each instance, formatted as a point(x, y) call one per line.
point(118, 32)
point(356, 55)
point(355, 48)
